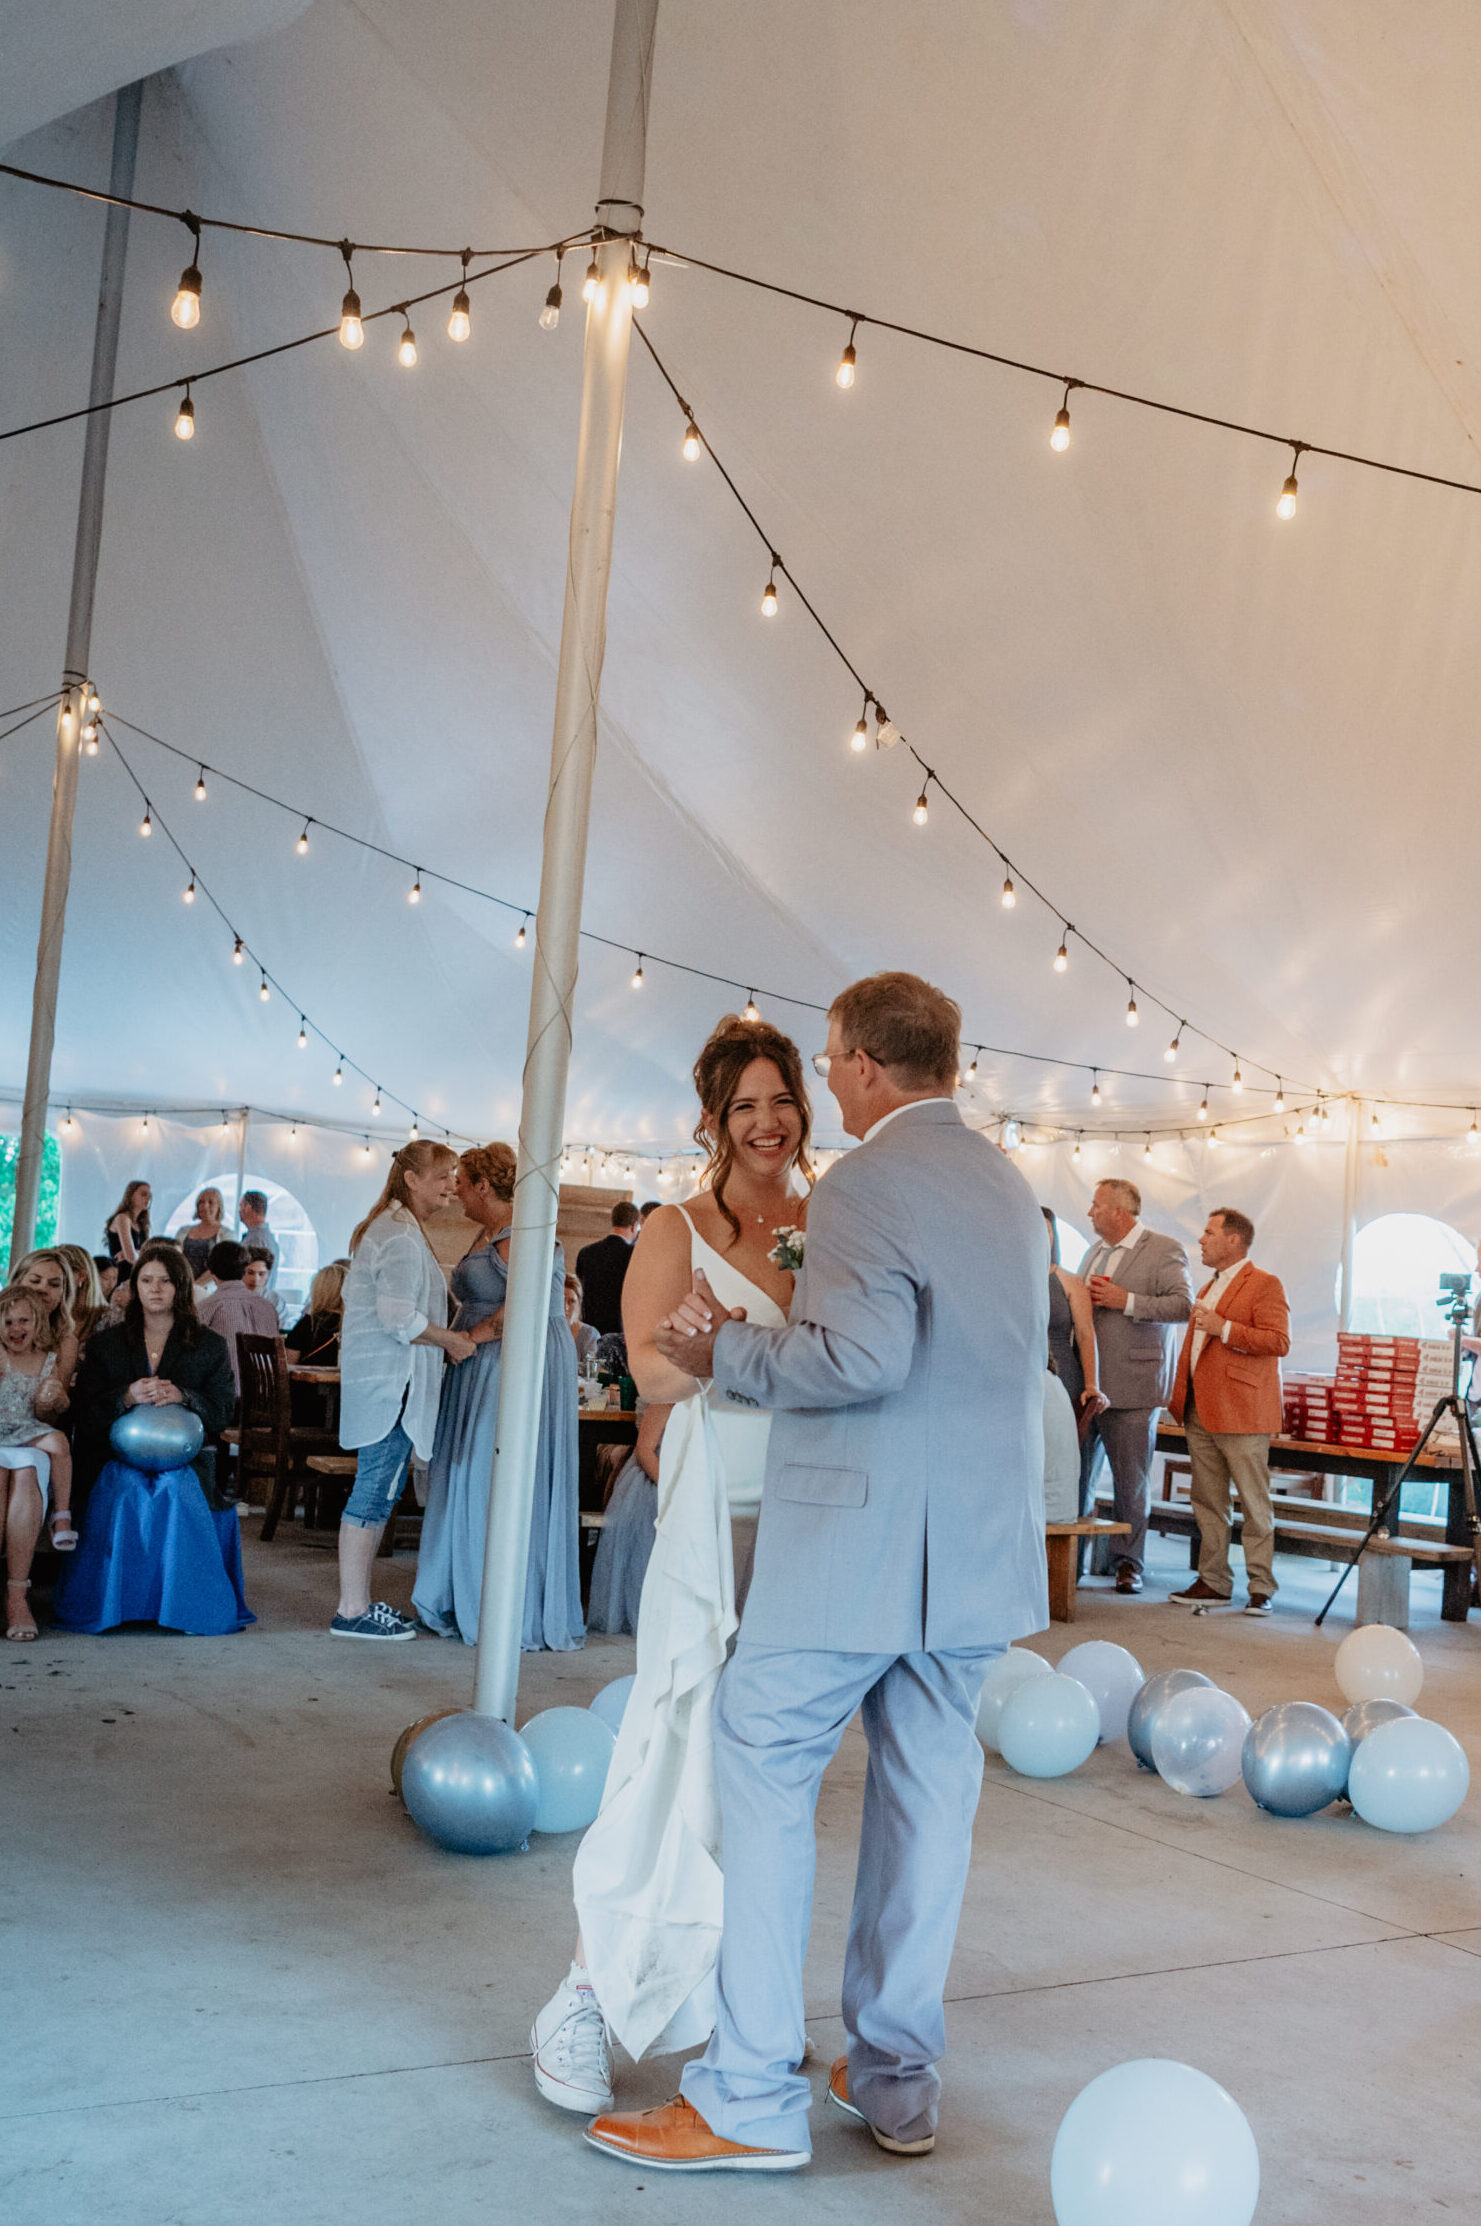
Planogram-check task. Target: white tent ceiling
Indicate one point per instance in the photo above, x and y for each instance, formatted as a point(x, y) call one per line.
point(1238, 754)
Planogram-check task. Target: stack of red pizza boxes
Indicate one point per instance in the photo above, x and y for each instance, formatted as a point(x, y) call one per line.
point(1373, 1392)
point(1307, 1408)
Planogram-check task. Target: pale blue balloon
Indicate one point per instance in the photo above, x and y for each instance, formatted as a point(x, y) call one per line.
point(572, 1750)
point(1006, 1674)
point(157, 1438)
point(469, 1782)
point(1409, 1775)
point(1112, 1676)
point(1197, 1740)
point(1149, 1700)
point(611, 1701)
point(1048, 1727)
point(1154, 2143)
point(1295, 1759)
point(1366, 1715)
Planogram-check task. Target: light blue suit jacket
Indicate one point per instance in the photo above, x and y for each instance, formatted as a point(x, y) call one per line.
point(904, 1500)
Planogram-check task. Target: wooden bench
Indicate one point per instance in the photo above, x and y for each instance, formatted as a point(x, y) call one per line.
point(1062, 1541)
point(342, 1466)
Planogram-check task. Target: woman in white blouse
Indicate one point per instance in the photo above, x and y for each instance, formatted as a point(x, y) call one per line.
point(390, 1357)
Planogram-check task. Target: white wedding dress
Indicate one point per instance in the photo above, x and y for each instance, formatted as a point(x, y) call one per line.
point(647, 1876)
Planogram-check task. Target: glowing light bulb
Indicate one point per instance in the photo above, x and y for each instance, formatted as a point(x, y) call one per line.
point(200, 786)
point(187, 894)
point(637, 979)
point(302, 844)
point(1075, 1154)
point(90, 737)
point(1009, 896)
point(752, 1011)
point(1203, 1109)
point(263, 992)
point(377, 1105)
point(1147, 1149)
point(971, 1075)
point(339, 1074)
point(1059, 439)
point(366, 1152)
point(1095, 1091)
point(460, 323)
point(144, 1124)
point(550, 315)
point(93, 703)
point(413, 1133)
point(1213, 1139)
point(1171, 1053)
point(351, 330)
point(693, 445)
point(1286, 507)
point(1132, 1015)
point(414, 893)
point(146, 824)
point(922, 810)
point(1300, 1132)
point(521, 938)
point(1238, 1082)
point(638, 284)
point(1473, 1134)
point(185, 309)
point(858, 741)
point(592, 281)
point(69, 1123)
point(1280, 1096)
point(1062, 956)
point(238, 952)
point(303, 1033)
point(847, 366)
point(185, 421)
point(406, 348)
point(768, 597)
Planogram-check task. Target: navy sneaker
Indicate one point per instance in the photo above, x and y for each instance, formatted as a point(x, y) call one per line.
point(379, 1622)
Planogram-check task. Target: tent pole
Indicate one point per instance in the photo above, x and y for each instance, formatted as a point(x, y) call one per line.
point(242, 1162)
point(562, 871)
point(1349, 1207)
point(74, 676)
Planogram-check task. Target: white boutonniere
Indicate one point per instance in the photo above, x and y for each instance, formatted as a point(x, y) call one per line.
point(787, 1252)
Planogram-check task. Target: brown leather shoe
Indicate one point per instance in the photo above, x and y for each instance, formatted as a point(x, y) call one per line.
point(675, 2138)
point(838, 2092)
point(1128, 1578)
point(1199, 1594)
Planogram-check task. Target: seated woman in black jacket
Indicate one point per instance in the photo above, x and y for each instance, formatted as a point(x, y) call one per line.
point(152, 1549)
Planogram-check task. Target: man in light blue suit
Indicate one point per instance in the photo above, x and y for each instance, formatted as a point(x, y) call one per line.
point(901, 1547)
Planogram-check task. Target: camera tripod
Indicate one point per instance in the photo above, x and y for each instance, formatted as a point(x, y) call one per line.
point(1457, 1306)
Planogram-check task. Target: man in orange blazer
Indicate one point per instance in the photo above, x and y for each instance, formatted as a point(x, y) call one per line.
point(1227, 1397)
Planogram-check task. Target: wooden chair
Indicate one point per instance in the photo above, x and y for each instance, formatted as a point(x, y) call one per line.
point(268, 1446)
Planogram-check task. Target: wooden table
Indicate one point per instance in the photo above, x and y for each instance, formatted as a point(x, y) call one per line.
point(302, 1374)
point(1377, 1470)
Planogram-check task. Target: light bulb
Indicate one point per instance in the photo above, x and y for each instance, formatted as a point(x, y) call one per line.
point(637, 979)
point(93, 703)
point(414, 893)
point(1203, 1109)
point(302, 844)
point(752, 1012)
point(406, 348)
point(1171, 1053)
point(972, 1071)
point(1075, 1154)
point(238, 952)
point(413, 1132)
point(637, 284)
point(200, 786)
point(144, 1124)
point(520, 939)
point(366, 1152)
point(146, 824)
point(69, 1123)
point(1059, 439)
point(90, 740)
point(1147, 1149)
point(858, 741)
point(922, 810)
point(847, 365)
point(591, 281)
point(303, 1034)
point(1062, 956)
point(550, 315)
point(1132, 1015)
point(185, 309)
point(1009, 896)
point(293, 1134)
point(1286, 507)
point(1238, 1082)
point(460, 323)
point(185, 421)
point(1300, 1132)
point(1473, 1134)
point(1280, 1096)
point(768, 598)
point(187, 895)
point(351, 330)
point(1095, 1091)
point(263, 992)
point(1213, 1139)
point(377, 1105)
point(693, 445)
point(339, 1074)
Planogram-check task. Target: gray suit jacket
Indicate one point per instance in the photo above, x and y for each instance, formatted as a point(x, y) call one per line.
point(904, 1502)
point(1139, 1358)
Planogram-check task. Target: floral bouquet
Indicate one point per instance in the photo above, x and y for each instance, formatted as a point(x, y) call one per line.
point(787, 1252)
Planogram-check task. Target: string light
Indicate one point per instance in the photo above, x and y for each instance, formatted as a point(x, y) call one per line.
point(972, 1069)
point(858, 741)
point(187, 894)
point(1132, 1015)
point(1473, 1134)
point(1009, 896)
point(768, 593)
point(263, 992)
point(92, 702)
point(1213, 1139)
point(225, 1123)
point(1075, 1154)
point(238, 952)
point(460, 323)
point(752, 1011)
point(1376, 1124)
point(144, 1124)
point(1171, 1053)
point(637, 979)
point(922, 810)
point(413, 1133)
point(1203, 1109)
point(377, 1105)
point(293, 1133)
point(1300, 1132)
point(185, 417)
point(848, 361)
point(550, 315)
point(185, 309)
point(592, 281)
point(406, 346)
point(146, 824)
point(1280, 1096)
point(414, 893)
point(200, 786)
point(521, 938)
point(638, 283)
point(1147, 1149)
point(1095, 1086)
point(351, 329)
point(90, 738)
point(1059, 439)
point(1238, 1082)
point(339, 1072)
point(1286, 506)
point(1062, 955)
point(69, 1124)
point(693, 443)
point(302, 844)
point(303, 1033)
point(366, 1152)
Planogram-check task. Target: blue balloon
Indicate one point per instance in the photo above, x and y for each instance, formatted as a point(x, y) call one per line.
point(1409, 1775)
point(156, 1438)
point(1154, 2143)
point(612, 1700)
point(571, 1749)
point(1295, 1759)
point(469, 1782)
point(1153, 1695)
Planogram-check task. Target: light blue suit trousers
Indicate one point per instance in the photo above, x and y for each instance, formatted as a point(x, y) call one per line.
point(779, 1716)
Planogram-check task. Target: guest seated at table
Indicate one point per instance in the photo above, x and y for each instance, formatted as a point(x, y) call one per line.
point(204, 1232)
point(128, 1225)
point(314, 1337)
point(107, 1268)
point(231, 1308)
point(626, 1541)
point(152, 1548)
point(587, 1338)
point(35, 1459)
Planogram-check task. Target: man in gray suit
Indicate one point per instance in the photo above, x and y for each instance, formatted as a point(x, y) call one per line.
point(1139, 1287)
point(901, 1547)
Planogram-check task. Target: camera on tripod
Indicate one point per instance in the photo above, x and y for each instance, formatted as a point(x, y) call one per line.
point(1455, 1297)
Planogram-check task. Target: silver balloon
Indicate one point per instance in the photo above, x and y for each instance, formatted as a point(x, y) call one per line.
point(1151, 1697)
point(1296, 1758)
point(469, 1782)
point(1365, 1716)
point(155, 1438)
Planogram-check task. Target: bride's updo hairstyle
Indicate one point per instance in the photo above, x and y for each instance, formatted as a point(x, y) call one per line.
point(717, 1074)
point(493, 1164)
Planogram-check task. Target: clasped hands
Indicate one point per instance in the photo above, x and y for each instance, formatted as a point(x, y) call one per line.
point(153, 1391)
point(687, 1335)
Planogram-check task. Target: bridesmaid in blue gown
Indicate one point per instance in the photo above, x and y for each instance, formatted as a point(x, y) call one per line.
point(454, 1526)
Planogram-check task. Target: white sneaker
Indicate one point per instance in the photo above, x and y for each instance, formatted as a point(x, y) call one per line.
point(572, 2055)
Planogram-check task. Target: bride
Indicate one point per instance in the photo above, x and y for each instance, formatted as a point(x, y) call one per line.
point(647, 1878)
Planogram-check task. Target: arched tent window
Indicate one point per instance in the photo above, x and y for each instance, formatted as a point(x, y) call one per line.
point(1397, 1263)
point(298, 1240)
point(1072, 1246)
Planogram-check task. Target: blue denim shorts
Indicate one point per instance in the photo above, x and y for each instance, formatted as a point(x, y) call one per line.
point(379, 1472)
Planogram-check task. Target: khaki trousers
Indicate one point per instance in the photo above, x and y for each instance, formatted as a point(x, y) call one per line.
point(1219, 1460)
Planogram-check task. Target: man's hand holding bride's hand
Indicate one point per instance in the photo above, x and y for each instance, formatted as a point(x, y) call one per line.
point(687, 1336)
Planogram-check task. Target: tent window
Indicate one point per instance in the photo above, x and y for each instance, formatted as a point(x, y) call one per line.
point(1072, 1246)
point(48, 1207)
point(298, 1240)
point(1397, 1262)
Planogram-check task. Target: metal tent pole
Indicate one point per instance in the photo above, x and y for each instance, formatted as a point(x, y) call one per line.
point(74, 677)
point(563, 867)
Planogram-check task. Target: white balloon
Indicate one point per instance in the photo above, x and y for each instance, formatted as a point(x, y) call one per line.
point(1154, 2143)
point(1048, 1727)
point(1377, 1663)
point(611, 1701)
point(1408, 1775)
point(1198, 1740)
point(1008, 1672)
point(1112, 1675)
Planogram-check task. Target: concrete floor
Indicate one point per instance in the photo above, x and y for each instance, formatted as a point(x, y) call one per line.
point(239, 1986)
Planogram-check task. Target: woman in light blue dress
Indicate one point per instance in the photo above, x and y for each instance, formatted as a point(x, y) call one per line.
point(455, 1524)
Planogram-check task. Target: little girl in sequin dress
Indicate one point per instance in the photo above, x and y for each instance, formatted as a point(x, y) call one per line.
point(30, 1447)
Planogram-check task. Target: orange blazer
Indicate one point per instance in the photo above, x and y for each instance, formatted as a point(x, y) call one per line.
point(1238, 1384)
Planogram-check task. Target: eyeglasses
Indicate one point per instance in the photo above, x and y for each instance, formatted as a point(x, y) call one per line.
point(823, 1061)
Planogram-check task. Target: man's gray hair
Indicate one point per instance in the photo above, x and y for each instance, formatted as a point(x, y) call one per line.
point(1129, 1195)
